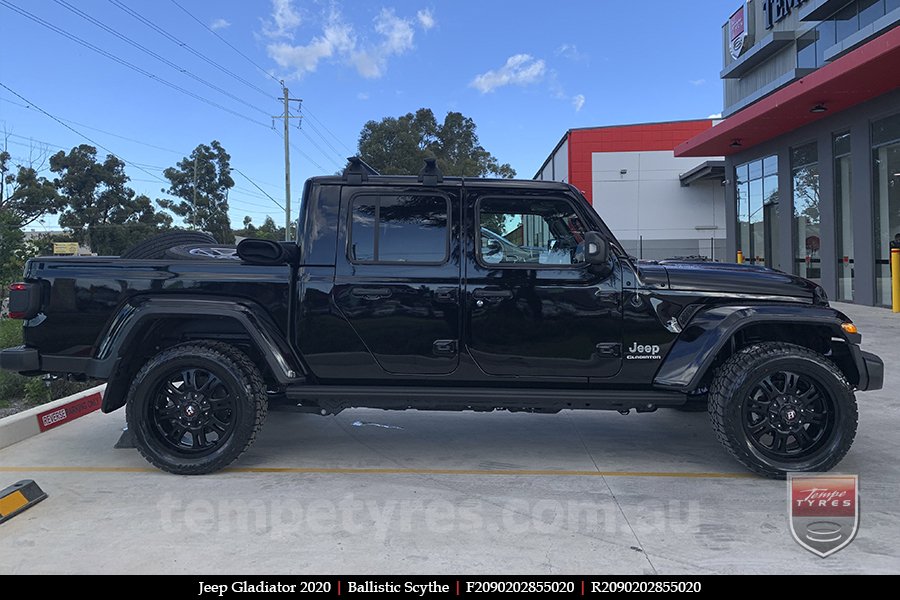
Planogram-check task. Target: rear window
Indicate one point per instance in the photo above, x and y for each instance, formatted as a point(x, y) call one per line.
point(390, 229)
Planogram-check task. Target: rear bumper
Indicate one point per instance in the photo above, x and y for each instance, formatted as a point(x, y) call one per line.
point(873, 378)
point(21, 359)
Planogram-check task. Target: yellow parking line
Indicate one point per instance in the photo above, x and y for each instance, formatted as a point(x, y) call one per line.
point(395, 471)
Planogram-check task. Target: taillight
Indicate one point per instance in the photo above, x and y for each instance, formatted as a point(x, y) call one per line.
point(24, 300)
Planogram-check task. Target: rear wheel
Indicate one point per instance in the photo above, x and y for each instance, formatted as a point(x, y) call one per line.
point(779, 408)
point(196, 407)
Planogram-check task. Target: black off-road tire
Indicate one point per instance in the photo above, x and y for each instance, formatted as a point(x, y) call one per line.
point(155, 247)
point(242, 379)
point(735, 380)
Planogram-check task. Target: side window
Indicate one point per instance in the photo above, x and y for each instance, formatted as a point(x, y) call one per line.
point(399, 229)
point(523, 231)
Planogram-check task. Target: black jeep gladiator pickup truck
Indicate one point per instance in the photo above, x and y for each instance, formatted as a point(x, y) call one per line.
point(443, 294)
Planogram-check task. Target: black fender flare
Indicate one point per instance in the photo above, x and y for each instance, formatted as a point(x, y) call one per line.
point(111, 355)
point(710, 329)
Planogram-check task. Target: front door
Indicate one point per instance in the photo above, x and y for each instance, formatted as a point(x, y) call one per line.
point(534, 308)
point(398, 276)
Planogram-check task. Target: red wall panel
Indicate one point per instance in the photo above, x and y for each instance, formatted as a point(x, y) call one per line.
point(626, 138)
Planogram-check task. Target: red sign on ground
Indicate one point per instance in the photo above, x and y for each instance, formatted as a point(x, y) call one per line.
point(69, 411)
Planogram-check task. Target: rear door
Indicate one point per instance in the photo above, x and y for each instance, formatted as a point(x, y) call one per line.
point(397, 280)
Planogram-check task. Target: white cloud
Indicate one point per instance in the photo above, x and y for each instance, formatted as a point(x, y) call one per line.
point(362, 96)
point(519, 69)
point(284, 20)
point(715, 116)
point(578, 101)
point(339, 41)
point(219, 24)
point(697, 82)
point(570, 52)
point(337, 38)
point(426, 19)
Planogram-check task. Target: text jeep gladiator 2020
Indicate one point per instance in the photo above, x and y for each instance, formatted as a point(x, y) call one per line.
point(443, 294)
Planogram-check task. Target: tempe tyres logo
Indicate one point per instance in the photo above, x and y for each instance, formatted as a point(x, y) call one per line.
point(824, 511)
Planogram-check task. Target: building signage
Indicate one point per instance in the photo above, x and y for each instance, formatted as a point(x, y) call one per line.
point(776, 11)
point(737, 31)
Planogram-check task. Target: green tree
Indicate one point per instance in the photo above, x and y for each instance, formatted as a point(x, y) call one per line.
point(398, 146)
point(269, 230)
point(25, 196)
point(201, 182)
point(97, 197)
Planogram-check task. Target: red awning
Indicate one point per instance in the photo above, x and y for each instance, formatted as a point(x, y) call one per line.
point(865, 73)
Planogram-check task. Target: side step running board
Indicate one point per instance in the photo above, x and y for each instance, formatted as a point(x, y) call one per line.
point(327, 399)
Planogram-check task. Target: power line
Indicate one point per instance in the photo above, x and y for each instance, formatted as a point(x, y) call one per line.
point(187, 47)
point(75, 131)
point(257, 187)
point(127, 64)
point(313, 117)
point(324, 139)
point(319, 148)
point(103, 131)
point(155, 55)
point(226, 42)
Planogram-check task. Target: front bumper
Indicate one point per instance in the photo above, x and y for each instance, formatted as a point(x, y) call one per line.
point(871, 375)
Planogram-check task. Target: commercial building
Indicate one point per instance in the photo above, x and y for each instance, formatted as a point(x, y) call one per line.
point(811, 140)
point(659, 206)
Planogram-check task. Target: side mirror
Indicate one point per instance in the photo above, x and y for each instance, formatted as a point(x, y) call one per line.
point(267, 252)
point(596, 249)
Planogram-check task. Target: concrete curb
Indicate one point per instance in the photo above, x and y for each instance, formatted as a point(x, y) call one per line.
point(26, 424)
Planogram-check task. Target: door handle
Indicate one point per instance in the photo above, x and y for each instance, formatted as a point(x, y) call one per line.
point(371, 293)
point(492, 294)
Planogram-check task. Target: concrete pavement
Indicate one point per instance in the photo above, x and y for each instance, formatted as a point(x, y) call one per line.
point(577, 492)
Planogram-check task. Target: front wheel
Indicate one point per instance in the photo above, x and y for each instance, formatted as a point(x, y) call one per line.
point(194, 408)
point(779, 408)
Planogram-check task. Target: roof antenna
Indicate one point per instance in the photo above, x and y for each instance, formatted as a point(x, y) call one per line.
point(430, 173)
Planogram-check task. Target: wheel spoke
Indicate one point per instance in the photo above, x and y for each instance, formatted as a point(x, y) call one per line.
point(190, 379)
point(177, 433)
point(803, 439)
point(212, 382)
point(815, 418)
point(173, 391)
point(768, 388)
point(779, 441)
point(760, 428)
point(167, 412)
point(790, 383)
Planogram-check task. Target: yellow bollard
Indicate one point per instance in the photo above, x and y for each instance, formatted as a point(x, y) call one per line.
point(740, 257)
point(895, 279)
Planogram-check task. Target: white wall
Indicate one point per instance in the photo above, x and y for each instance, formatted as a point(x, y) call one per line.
point(648, 200)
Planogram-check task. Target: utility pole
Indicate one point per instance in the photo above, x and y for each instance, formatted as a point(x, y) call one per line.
point(287, 159)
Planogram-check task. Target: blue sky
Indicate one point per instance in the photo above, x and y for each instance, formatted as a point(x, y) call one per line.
point(525, 71)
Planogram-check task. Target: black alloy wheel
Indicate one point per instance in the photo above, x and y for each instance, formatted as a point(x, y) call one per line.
point(788, 415)
point(193, 411)
point(196, 407)
point(780, 408)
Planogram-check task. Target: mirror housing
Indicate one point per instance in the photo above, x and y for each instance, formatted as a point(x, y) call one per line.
point(268, 252)
point(596, 250)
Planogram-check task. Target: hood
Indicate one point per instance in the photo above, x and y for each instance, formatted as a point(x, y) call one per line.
point(728, 278)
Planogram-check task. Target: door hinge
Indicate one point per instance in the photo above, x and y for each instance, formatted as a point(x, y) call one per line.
point(609, 350)
point(445, 348)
